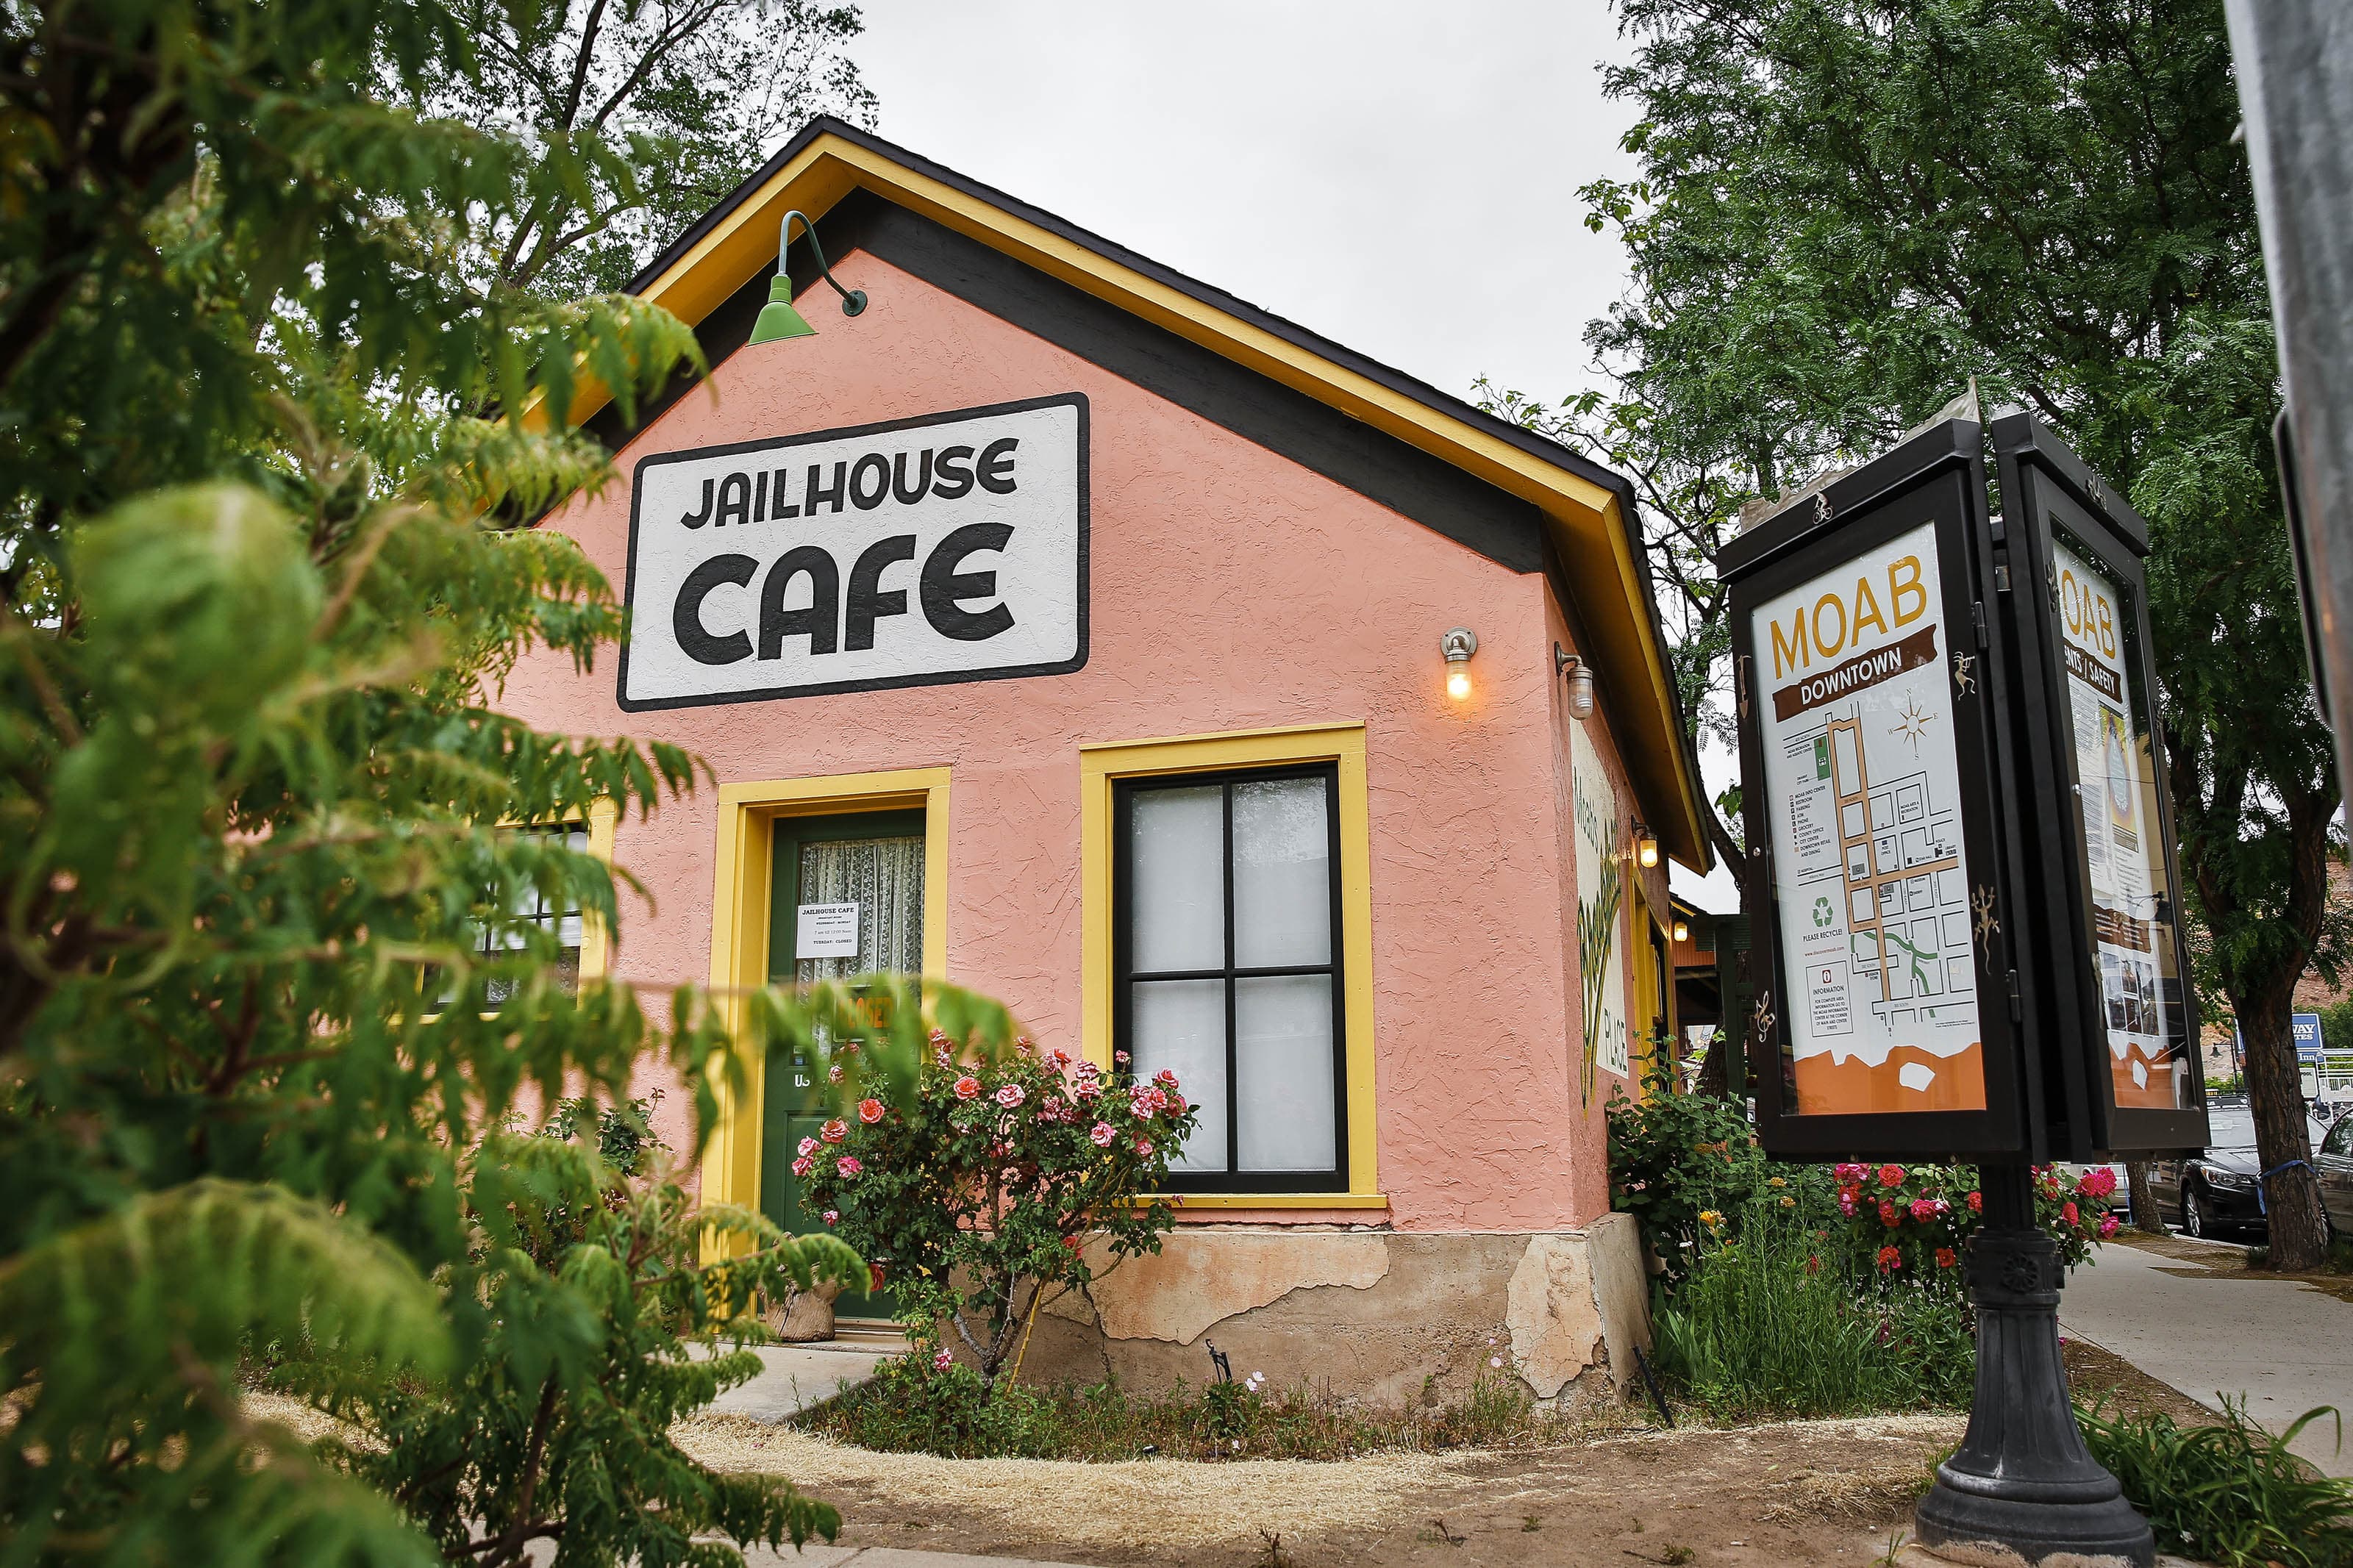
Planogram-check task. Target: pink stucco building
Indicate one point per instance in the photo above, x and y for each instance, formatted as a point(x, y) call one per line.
point(1071, 629)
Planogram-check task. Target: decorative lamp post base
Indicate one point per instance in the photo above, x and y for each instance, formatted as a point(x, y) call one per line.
point(2021, 1488)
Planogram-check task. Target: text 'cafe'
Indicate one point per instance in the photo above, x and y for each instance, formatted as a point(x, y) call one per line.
point(1070, 630)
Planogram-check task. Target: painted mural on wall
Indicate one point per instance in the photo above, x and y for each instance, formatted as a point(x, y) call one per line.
point(951, 547)
point(1601, 903)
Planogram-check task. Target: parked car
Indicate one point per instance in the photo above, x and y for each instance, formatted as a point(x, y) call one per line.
point(2332, 1161)
point(2210, 1194)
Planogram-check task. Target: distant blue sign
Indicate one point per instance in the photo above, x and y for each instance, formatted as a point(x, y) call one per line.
point(2305, 1027)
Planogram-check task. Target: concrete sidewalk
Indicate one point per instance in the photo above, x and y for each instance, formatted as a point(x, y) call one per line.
point(797, 1377)
point(2282, 1345)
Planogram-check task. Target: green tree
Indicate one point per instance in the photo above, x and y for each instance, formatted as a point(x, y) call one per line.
point(640, 115)
point(267, 977)
point(1845, 210)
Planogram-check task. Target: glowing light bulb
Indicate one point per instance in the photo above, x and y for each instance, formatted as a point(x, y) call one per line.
point(1456, 647)
point(1457, 681)
point(1683, 930)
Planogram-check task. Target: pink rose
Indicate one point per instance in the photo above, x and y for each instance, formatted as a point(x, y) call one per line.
point(834, 1130)
point(1058, 1057)
point(1143, 1146)
point(966, 1087)
point(1011, 1095)
point(804, 1165)
point(833, 1075)
point(849, 1167)
point(869, 1111)
point(1846, 1201)
point(1050, 1108)
point(1141, 1108)
point(1850, 1172)
point(942, 1361)
point(1164, 1078)
point(2107, 1226)
point(940, 1038)
point(1102, 1135)
point(1088, 1090)
point(1120, 1057)
point(833, 1216)
point(2067, 1212)
point(1926, 1209)
point(2097, 1183)
point(1175, 1105)
point(808, 1146)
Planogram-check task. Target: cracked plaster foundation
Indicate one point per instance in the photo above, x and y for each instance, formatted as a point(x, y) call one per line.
point(1389, 1317)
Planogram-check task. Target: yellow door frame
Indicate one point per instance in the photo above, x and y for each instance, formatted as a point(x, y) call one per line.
point(739, 930)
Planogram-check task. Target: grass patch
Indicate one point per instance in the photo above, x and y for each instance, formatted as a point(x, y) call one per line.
point(911, 1407)
point(1768, 1325)
point(2230, 1492)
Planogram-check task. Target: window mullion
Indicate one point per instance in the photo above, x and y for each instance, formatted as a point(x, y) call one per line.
point(1233, 1057)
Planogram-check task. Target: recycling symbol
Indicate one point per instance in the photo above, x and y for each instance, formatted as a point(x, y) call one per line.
point(1821, 914)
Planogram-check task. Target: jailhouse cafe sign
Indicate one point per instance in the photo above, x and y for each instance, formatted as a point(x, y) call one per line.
point(951, 547)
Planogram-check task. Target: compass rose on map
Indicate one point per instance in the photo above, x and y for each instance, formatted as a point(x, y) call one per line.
point(1912, 723)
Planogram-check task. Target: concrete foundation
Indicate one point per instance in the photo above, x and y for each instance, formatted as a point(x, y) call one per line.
point(1383, 1316)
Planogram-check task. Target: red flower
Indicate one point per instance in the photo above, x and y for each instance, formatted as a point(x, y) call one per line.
point(1073, 1245)
point(1889, 1215)
point(834, 1130)
point(1891, 1176)
point(2067, 1213)
point(1888, 1259)
point(2097, 1183)
point(1926, 1209)
point(966, 1087)
point(1976, 1203)
point(869, 1111)
point(1164, 1078)
point(1944, 1258)
point(1813, 1265)
point(873, 1276)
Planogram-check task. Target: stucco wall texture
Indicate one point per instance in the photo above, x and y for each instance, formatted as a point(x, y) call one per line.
point(1232, 589)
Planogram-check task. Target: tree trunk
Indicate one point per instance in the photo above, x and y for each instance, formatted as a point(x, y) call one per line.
point(2144, 1215)
point(1716, 1067)
point(2299, 1226)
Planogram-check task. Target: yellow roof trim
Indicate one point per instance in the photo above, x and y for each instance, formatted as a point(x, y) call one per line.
point(1585, 514)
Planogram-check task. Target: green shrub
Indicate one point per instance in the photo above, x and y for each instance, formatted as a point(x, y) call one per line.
point(976, 1193)
point(1771, 1321)
point(1675, 1155)
point(2230, 1494)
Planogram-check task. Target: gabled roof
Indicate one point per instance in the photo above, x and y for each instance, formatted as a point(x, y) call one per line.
point(1589, 509)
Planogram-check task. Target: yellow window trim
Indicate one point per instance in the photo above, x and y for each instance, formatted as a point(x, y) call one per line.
point(1100, 764)
point(739, 929)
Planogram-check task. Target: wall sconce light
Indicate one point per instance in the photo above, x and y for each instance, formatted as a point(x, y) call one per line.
point(1646, 846)
point(1581, 681)
point(1458, 645)
point(1683, 930)
point(778, 320)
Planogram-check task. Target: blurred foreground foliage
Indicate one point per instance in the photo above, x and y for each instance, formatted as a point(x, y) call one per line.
point(270, 983)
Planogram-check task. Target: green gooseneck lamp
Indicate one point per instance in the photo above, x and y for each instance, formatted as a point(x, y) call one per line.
point(778, 318)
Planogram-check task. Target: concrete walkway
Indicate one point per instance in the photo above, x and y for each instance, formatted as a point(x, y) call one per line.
point(797, 1377)
point(2284, 1346)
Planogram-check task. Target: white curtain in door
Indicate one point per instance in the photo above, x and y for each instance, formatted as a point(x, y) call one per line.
point(884, 877)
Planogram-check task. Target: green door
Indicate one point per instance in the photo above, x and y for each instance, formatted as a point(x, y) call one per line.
point(862, 871)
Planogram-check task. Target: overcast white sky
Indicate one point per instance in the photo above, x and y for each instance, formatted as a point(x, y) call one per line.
point(1396, 175)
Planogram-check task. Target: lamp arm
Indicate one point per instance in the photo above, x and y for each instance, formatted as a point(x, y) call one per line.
point(853, 300)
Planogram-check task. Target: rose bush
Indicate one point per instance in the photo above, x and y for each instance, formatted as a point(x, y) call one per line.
point(1919, 1218)
point(974, 1195)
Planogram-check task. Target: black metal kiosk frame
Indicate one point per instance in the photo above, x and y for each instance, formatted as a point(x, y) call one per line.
point(2046, 1024)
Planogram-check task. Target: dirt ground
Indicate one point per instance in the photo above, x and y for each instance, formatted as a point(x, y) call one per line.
point(1790, 1493)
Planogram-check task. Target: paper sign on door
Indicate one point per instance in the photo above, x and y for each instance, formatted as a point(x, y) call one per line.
point(827, 930)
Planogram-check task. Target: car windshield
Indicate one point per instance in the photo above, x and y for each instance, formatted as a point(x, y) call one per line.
point(2229, 1127)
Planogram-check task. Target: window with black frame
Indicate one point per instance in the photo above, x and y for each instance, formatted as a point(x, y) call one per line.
point(1226, 955)
point(532, 908)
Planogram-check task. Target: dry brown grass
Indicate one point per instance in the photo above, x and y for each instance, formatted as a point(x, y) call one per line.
point(1134, 1503)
